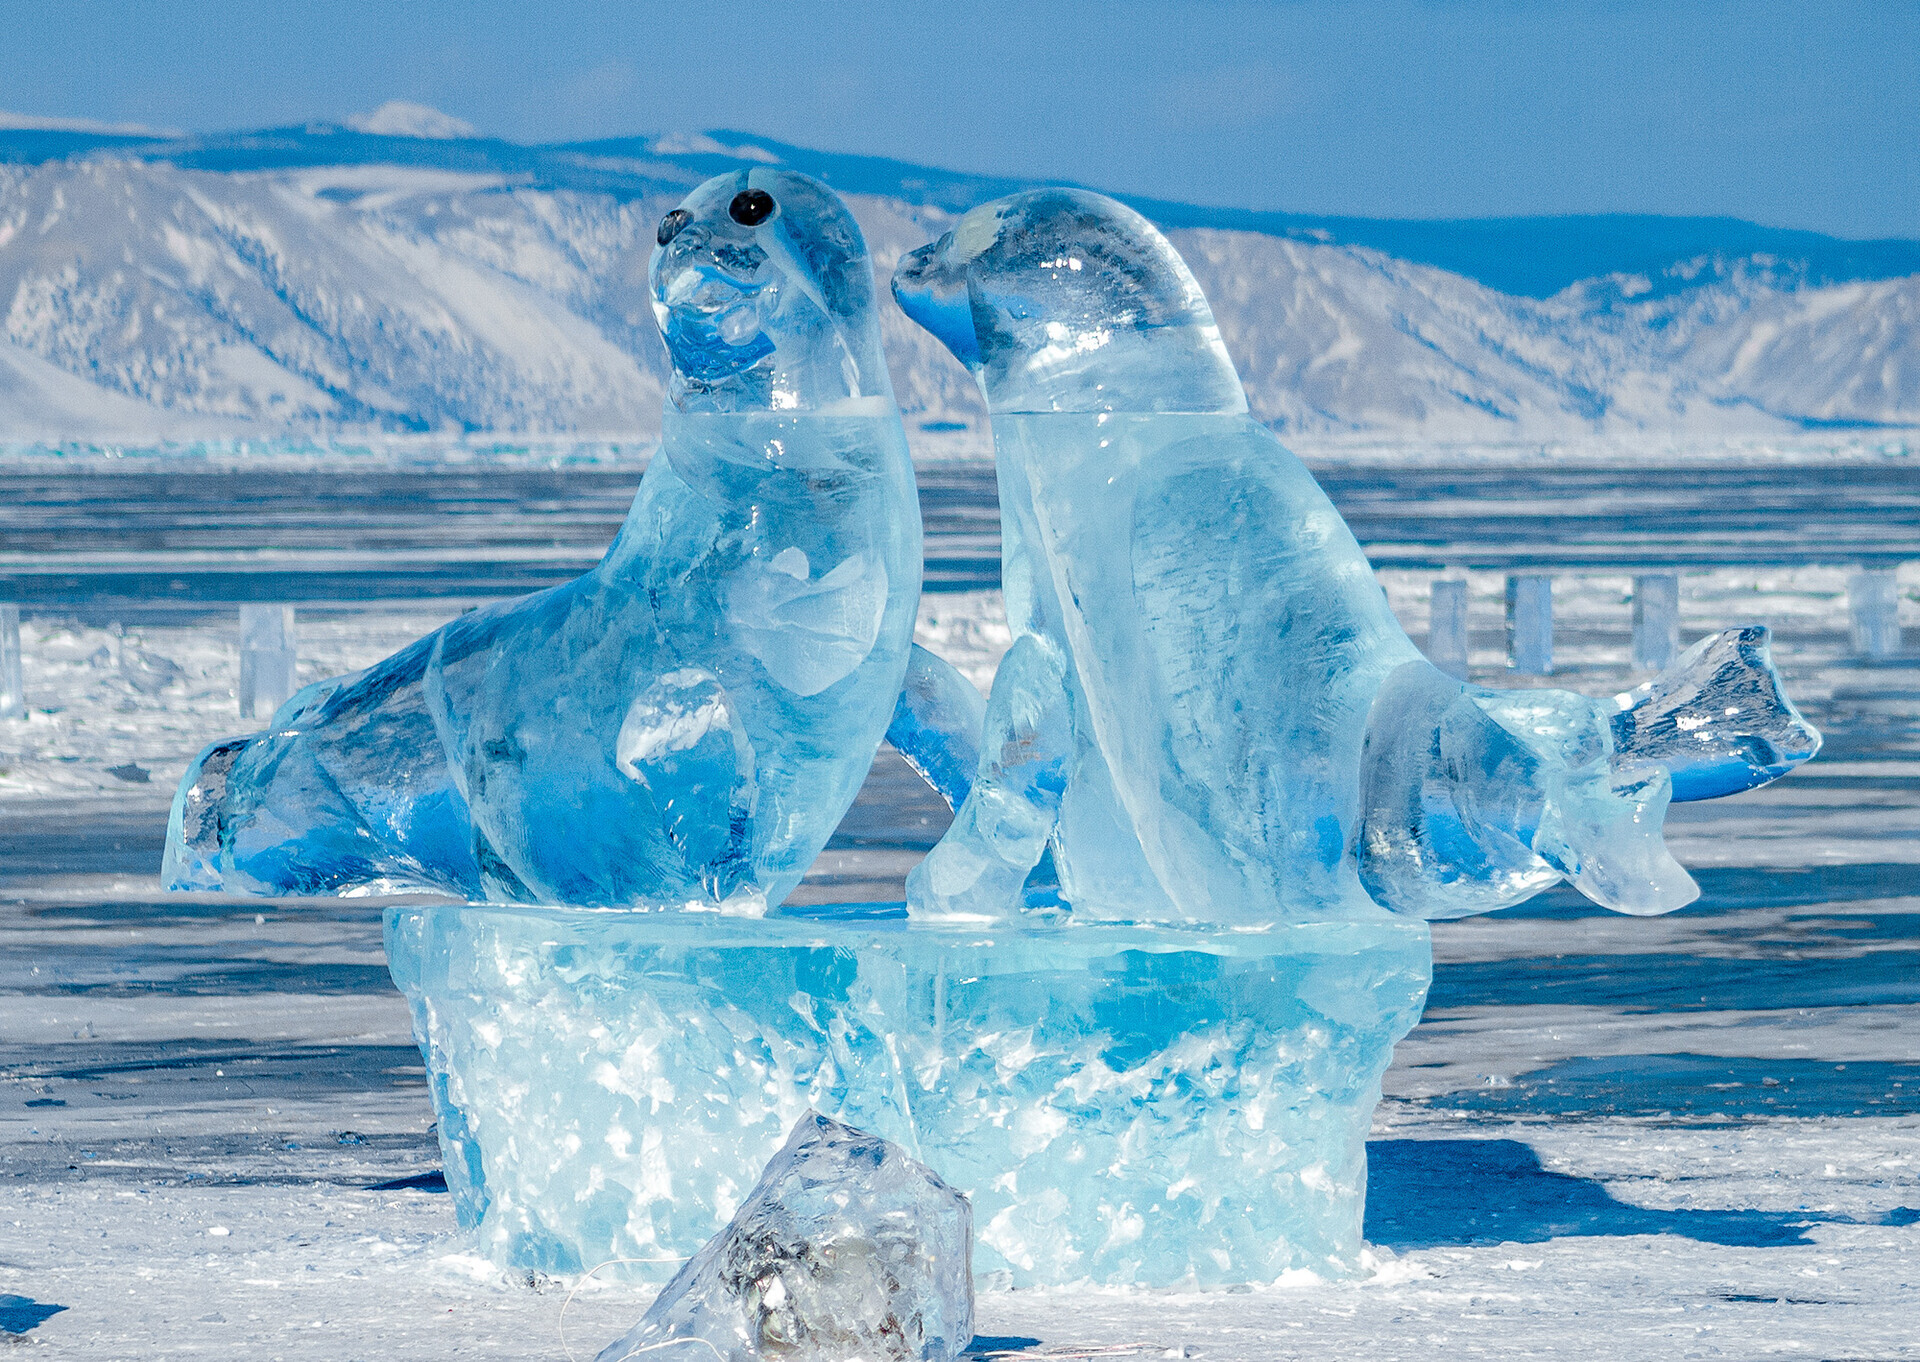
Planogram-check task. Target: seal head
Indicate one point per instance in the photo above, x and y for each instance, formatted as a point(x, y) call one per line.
point(764, 296)
point(1060, 300)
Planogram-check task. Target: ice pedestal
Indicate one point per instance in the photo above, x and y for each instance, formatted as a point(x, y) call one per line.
point(1122, 1104)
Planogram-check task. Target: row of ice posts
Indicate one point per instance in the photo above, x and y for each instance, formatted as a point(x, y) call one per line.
point(269, 646)
point(1873, 616)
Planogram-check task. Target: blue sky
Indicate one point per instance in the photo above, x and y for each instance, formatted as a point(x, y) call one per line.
point(1792, 114)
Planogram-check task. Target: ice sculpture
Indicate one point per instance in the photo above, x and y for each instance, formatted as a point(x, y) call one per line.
point(1150, 979)
point(846, 1248)
point(1209, 711)
point(1502, 794)
point(1121, 1104)
point(687, 722)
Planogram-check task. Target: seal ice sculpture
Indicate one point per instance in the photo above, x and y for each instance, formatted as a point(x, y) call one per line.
point(1208, 709)
point(688, 721)
point(1152, 1056)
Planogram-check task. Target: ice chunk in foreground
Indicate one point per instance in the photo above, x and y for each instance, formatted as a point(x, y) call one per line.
point(1120, 1104)
point(845, 1249)
point(687, 722)
point(1244, 734)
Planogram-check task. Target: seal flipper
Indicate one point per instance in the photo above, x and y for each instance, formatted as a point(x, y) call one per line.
point(937, 725)
point(1473, 800)
point(1000, 832)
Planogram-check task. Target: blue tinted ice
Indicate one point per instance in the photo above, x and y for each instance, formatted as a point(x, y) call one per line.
point(1061, 300)
point(1014, 801)
point(764, 295)
point(1250, 736)
point(1120, 1104)
point(1476, 799)
point(687, 722)
point(936, 725)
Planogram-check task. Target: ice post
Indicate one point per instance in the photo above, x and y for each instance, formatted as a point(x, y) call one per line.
point(13, 693)
point(687, 722)
point(268, 659)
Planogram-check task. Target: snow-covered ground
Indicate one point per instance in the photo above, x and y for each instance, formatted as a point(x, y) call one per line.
point(1693, 1136)
point(320, 1271)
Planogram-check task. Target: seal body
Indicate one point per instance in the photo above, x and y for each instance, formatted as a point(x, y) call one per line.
point(1229, 639)
point(1190, 606)
point(687, 722)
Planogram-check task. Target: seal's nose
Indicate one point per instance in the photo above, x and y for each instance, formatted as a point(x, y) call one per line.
point(915, 265)
point(671, 224)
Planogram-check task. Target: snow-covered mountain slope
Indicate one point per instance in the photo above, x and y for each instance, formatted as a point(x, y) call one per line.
point(328, 282)
point(362, 297)
point(41, 403)
point(1335, 340)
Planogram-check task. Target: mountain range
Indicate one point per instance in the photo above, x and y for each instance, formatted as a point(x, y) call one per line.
point(402, 276)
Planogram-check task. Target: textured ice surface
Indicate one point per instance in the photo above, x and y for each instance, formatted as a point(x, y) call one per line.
point(1120, 1103)
point(688, 721)
point(1210, 713)
point(846, 1249)
point(1513, 791)
point(1011, 809)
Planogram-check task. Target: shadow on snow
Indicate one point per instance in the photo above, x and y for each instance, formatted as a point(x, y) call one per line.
point(18, 1314)
point(1429, 1193)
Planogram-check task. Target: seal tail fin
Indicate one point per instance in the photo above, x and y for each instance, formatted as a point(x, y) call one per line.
point(1608, 839)
point(1718, 719)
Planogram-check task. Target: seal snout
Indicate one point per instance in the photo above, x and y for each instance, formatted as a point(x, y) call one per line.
point(935, 295)
point(763, 292)
point(715, 291)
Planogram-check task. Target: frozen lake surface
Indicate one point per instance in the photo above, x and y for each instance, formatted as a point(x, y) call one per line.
point(1692, 1136)
point(141, 541)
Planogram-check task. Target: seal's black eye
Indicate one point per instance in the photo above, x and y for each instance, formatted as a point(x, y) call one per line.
point(751, 207)
point(671, 224)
